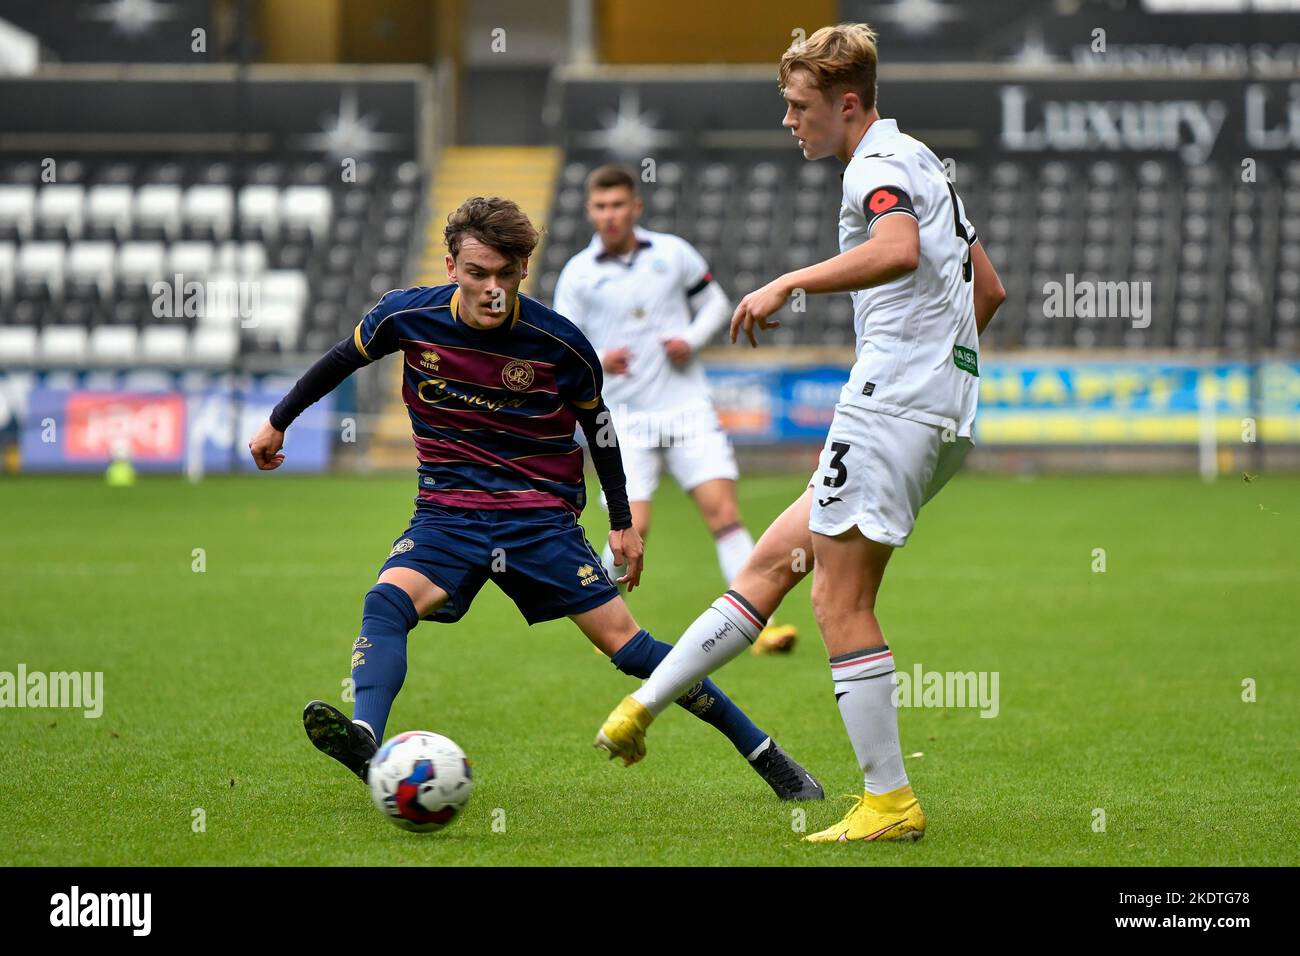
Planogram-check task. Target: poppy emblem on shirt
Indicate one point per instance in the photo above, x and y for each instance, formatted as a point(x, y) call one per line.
point(881, 200)
point(517, 375)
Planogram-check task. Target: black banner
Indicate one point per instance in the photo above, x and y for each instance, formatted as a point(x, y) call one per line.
point(1195, 119)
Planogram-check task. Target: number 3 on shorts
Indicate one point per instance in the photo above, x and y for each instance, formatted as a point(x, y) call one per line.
point(840, 449)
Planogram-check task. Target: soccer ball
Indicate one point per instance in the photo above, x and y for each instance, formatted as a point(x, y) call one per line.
point(420, 781)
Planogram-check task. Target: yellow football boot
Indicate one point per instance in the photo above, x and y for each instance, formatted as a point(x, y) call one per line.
point(775, 639)
point(888, 816)
point(623, 733)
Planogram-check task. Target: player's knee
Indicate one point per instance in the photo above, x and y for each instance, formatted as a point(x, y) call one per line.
point(391, 602)
point(722, 516)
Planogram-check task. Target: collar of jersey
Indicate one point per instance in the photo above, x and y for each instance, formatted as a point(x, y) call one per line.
point(881, 127)
point(642, 242)
point(455, 312)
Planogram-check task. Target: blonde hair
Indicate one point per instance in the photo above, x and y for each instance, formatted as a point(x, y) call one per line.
point(838, 56)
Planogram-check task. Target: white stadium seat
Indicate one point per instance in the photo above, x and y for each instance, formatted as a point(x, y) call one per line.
point(18, 208)
point(17, 344)
point(164, 343)
point(62, 205)
point(41, 261)
point(278, 322)
point(213, 346)
point(110, 205)
point(224, 301)
point(91, 262)
point(246, 258)
point(209, 205)
point(260, 206)
point(63, 344)
point(284, 285)
point(8, 262)
point(193, 260)
point(141, 261)
point(159, 205)
point(309, 206)
point(114, 344)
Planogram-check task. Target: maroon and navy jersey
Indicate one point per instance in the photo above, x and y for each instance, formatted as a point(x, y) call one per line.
point(491, 410)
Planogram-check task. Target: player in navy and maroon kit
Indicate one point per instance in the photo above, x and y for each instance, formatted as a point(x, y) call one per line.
point(496, 385)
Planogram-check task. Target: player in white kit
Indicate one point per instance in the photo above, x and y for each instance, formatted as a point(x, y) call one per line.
point(647, 302)
point(923, 289)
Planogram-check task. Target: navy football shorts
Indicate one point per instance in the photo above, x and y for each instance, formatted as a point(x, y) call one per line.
point(539, 557)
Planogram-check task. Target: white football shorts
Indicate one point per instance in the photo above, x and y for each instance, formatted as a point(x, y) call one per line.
point(877, 470)
point(690, 442)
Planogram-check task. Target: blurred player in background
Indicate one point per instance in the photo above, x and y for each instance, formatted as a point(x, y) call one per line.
point(496, 384)
point(648, 303)
point(923, 289)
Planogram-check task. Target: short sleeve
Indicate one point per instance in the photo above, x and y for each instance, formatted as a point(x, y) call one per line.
point(878, 188)
point(579, 375)
point(694, 272)
point(376, 334)
point(568, 300)
point(962, 220)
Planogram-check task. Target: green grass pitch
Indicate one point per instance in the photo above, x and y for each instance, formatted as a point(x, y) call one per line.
point(1120, 691)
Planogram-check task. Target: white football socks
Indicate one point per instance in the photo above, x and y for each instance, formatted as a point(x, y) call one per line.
point(865, 695)
point(734, 547)
point(726, 629)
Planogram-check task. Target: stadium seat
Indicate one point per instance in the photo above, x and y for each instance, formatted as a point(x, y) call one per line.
point(193, 261)
point(17, 344)
point(108, 211)
point(214, 347)
point(162, 344)
point(259, 211)
point(38, 271)
point(89, 266)
point(17, 211)
point(307, 207)
point(63, 345)
point(113, 345)
point(8, 263)
point(157, 213)
point(60, 211)
point(207, 212)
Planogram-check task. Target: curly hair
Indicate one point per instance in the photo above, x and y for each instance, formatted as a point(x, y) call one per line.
point(496, 222)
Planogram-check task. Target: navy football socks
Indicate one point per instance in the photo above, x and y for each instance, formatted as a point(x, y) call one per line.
point(641, 655)
point(379, 654)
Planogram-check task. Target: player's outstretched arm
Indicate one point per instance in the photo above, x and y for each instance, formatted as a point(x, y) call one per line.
point(602, 443)
point(893, 250)
point(989, 293)
point(712, 308)
point(317, 382)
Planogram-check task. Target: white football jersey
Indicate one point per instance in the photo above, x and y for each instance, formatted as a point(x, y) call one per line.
point(917, 344)
point(637, 301)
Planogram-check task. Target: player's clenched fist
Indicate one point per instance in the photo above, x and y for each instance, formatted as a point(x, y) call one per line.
point(615, 361)
point(628, 550)
point(266, 445)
